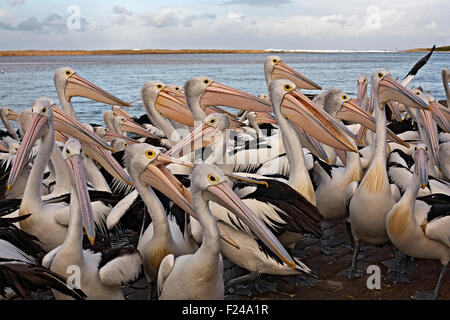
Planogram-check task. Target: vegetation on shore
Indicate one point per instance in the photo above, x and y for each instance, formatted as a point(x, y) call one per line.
point(442, 49)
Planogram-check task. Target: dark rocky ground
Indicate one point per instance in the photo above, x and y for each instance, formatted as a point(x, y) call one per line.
point(330, 285)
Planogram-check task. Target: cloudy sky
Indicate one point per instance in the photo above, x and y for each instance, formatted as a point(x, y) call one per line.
point(223, 24)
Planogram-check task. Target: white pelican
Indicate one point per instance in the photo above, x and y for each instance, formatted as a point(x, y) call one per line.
point(374, 196)
point(445, 80)
point(200, 275)
point(69, 83)
point(420, 227)
point(6, 114)
point(101, 274)
point(45, 217)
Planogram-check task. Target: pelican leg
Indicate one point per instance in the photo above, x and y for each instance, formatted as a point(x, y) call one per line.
point(431, 295)
point(353, 271)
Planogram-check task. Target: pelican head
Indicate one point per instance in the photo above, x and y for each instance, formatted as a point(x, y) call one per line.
point(9, 114)
point(176, 91)
point(46, 117)
point(146, 163)
point(204, 134)
point(420, 157)
point(119, 144)
point(168, 103)
point(70, 84)
point(291, 104)
point(203, 92)
point(389, 89)
point(362, 89)
point(122, 124)
point(73, 156)
point(210, 183)
point(275, 68)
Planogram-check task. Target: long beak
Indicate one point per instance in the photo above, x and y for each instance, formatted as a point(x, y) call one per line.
point(78, 86)
point(107, 161)
point(12, 116)
point(173, 108)
point(37, 127)
point(393, 90)
point(362, 91)
point(131, 126)
point(283, 71)
point(75, 164)
point(123, 113)
point(201, 137)
point(264, 117)
point(223, 194)
point(159, 177)
point(304, 114)
point(429, 134)
point(420, 158)
point(111, 135)
point(217, 94)
point(71, 127)
point(314, 144)
point(439, 116)
point(350, 111)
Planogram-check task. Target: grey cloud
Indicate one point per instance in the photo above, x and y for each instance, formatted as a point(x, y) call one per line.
point(187, 21)
point(258, 3)
point(31, 24)
point(15, 3)
point(52, 23)
point(6, 26)
point(161, 20)
point(122, 11)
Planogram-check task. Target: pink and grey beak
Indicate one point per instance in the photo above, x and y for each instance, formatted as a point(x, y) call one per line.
point(111, 135)
point(201, 137)
point(72, 127)
point(394, 106)
point(393, 90)
point(222, 194)
point(350, 111)
point(265, 117)
point(119, 110)
point(77, 86)
point(217, 94)
point(131, 126)
point(108, 162)
point(283, 71)
point(420, 158)
point(174, 108)
point(429, 134)
point(38, 127)
point(305, 115)
point(75, 164)
point(438, 112)
point(362, 91)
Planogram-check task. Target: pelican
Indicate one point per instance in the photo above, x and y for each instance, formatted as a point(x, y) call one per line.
point(162, 106)
point(101, 274)
point(6, 114)
point(374, 196)
point(420, 227)
point(69, 83)
point(45, 217)
point(202, 92)
point(200, 275)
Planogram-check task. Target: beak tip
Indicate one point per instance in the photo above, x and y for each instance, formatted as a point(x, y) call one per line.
point(423, 186)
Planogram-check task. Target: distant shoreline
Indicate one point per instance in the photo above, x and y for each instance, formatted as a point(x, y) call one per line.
point(183, 51)
point(438, 49)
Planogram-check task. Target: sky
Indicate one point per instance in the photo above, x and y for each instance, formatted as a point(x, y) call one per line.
point(223, 24)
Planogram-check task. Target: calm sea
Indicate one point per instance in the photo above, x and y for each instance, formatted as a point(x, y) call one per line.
point(26, 78)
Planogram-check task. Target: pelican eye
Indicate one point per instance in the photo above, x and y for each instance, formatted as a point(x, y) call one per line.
point(68, 73)
point(212, 178)
point(159, 86)
point(426, 148)
point(415, 148)
point(206, 81)
point(380, 75)
point(344, 97)
point(150, 154)
point(177, 89)
point(44, 110)
point(212, 121)
point(67, 151)
point(275, 60)
point(287, 87)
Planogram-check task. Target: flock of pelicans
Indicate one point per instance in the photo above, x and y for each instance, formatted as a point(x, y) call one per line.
point(198, 183)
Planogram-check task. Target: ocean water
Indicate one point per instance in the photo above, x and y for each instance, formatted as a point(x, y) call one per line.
point(26, 78)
